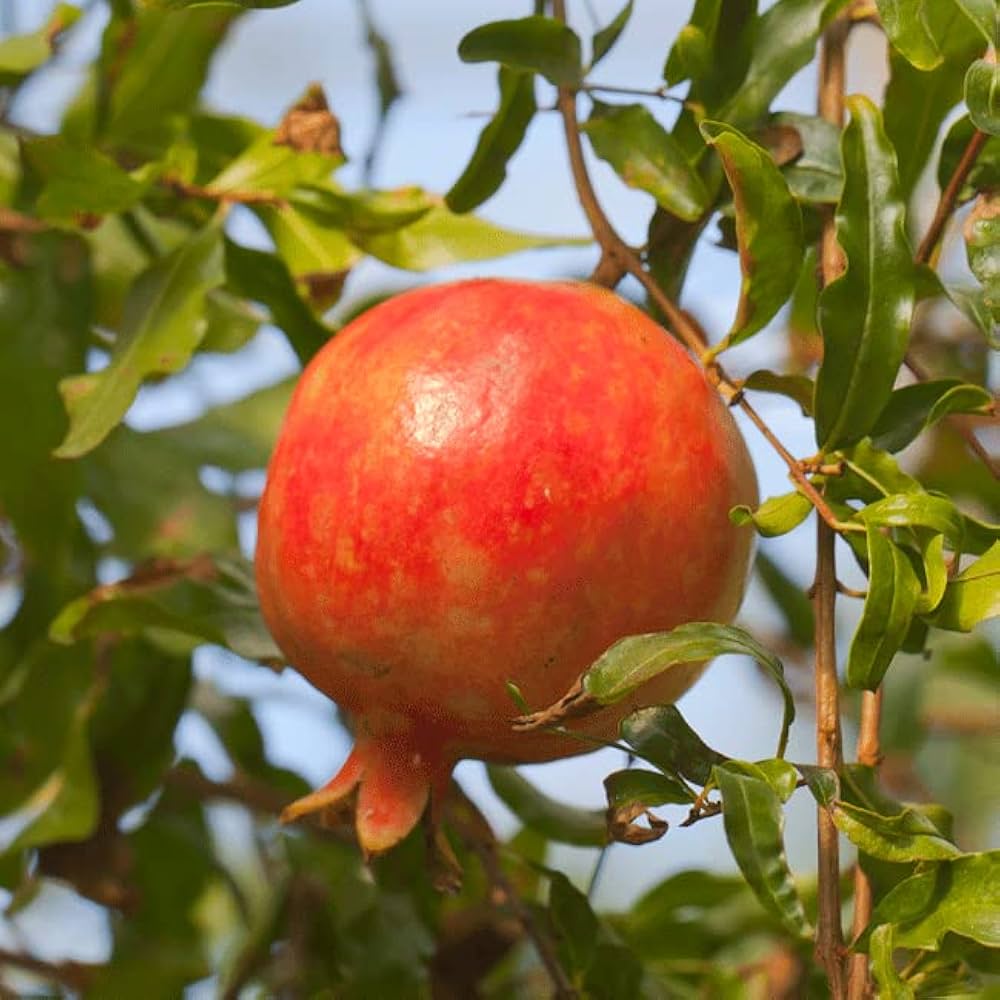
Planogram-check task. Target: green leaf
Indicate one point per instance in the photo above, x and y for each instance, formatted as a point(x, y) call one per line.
point(791, 600)
point(768, 229)
point(645, 788)
point(536, 44)
point(972, 303)
point(604, 40)
point(660, 735)
point(199, 600)
point(441, 238)
point(556, 821)
point(799, 388)
point(916, 102)
point(79, 179)
point(982, 246)
point(815, 174)
point(904, 836)
point(754, 821)
point(231, 323)
point(634, 660)
point(865, 313)
point(958, 897)
point(983, 14)
point(163, 324)
point(498, 142)
point(973, 596)
point(893, 589)
point(914, 408)
point(985, 172)
point(780, 775)
point(905, 22)
point(575, 923)
point(776, 515)
point(245, 4)
point(646, 157)
point(272, 168)
point(305, 242)
point(23, 54)
point(890, 985)
point(365, 213)
point(902, 510)
point(265, 278)
point(982, 95)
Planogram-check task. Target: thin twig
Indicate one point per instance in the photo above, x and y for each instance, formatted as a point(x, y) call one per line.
point(928, 248)
point(75, 975)
point(616, 250)
point(661, 93)
point(829, 931)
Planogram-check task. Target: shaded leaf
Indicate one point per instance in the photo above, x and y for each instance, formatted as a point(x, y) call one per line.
point(199, 600)
point(645, 156)
point(754, 821)
point(660, 735)
point(972, 303)
point(983, 14)
point(604, 40)
point(561, 823)
point(574, 922)
point(799, 388)
point(982, 95)
point(985, 172)
point(768, 228)
point(815, 174)
point(499, 140)
point(973, 596)
point(959, 897)
point(914, 408)
point(916, 509)
point(904, 836)
point(631, 794)
point(893, 589)
point(23, 54)
point(865, 313)
point(440, 238)
point(776, 515)
point(791, 599)
point(536, 44)
point(164, 322)
point(982, 246)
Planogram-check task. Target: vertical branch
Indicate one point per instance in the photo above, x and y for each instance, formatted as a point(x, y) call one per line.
point(829, 932)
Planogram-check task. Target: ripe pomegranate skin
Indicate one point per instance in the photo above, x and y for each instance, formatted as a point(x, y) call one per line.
point(490, 481)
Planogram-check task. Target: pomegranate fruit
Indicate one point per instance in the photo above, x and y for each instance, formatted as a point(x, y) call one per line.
point(482, 482)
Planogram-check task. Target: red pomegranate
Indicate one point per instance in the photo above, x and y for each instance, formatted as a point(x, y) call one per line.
point(482, 482)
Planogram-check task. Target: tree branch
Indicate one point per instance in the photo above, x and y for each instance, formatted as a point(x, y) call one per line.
point(76, 975)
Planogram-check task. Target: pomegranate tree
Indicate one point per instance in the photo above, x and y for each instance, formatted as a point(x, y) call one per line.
point(488, 482)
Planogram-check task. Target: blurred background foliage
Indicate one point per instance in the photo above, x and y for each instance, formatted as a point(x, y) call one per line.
point(148, 238)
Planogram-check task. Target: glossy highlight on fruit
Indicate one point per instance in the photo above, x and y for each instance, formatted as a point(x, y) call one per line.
point(486, 482)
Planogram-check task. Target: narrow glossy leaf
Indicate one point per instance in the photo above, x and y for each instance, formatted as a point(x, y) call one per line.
point(958, 897)
point(871, 474)
point(644, 788)
point(604, 40)
point(574, 921)
point(982, 95)
point(893, 589)
point(973, 596)
point(904, 836)
point(902, 510)
point(306, 244)
point(264, 277)
point(935, 576)
point(78, 179)
point(864, 314)
point(536, 44)
point(23, 54)
point(822, 782)
point(983, 14)
point(982, 246)
point(556, 821)
point(660, 735)
point(985, 172)
point(906, 24)
point(634, 660)
point(914, 408)
point(198, 600)
point(498, 142)
point(917, 101)
point(647, 157)
point(815, 174)
point(163, 324)
point(754, 821)
point(880, 948)
point(440, 238)
point(790, 598)
point(780, 775)
point(776, 515)
point(768, 228)
point(797, 387)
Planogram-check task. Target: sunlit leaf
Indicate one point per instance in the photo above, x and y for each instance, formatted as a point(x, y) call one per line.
point(645, 156)
point(982, 246)
point(973, 596)
point(536, 44)
point(604, 40)
point(23, 54)
point(499, 140)
point(916, 509)
point(906, 24)
point(880, 948)
point(914, 408)
point(893, 589)
point(982, 95)
point(864, 314)
point(754, 823)
point(768, 228)
point(776, 515)
point(660, 735)
point(983, 14)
